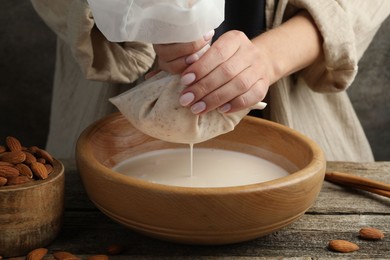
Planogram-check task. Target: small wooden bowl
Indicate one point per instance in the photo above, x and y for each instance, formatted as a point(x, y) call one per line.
point(201, 215)
point(31, 213)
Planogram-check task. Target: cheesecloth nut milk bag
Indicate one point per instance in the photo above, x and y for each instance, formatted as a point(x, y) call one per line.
point(153, 106)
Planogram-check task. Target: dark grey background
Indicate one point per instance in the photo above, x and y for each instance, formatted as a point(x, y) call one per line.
point(27, 65)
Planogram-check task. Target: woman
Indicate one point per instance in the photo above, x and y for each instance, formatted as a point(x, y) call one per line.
point(309, 55)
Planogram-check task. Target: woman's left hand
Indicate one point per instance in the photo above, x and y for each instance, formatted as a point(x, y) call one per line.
point(232, 75)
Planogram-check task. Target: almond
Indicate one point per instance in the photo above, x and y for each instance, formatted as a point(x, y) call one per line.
point(49, 168)
point(17, 180)
point(342, 246)
point(8, 171)
point(3, 181)
point(13, 157)
point(6, 163)
point(45, 155)
point(37, 254)
point(20, 164)
point(41, 160)
point(39, 170)
point(13, 144)
point(371, 233)
point(63, 255)
point(98, 257)
point(33, 149)
point(24, 170)
point(30, 158)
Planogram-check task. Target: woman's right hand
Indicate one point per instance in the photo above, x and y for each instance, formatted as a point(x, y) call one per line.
point(176, 57)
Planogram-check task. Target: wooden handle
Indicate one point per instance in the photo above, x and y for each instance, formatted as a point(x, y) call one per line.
point(358, 182)
point(373, 190)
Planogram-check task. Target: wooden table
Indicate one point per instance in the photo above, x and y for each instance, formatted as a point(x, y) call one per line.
point(338, 213)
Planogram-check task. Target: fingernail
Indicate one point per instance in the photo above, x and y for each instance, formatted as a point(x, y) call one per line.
point(192, 58)
point(203, 50)
point(208, 35)
point(186, 99)
point(187, 78)
point(225, 108)
point(198, 107)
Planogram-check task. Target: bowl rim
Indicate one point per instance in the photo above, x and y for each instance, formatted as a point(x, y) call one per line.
point(58, 172)
point(315, 166)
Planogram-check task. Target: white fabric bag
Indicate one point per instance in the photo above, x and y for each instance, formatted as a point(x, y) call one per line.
point(153, 108)
point(156, 21)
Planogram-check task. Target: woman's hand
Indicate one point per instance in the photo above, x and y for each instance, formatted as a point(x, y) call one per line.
point(232, 75)
point(235, 72)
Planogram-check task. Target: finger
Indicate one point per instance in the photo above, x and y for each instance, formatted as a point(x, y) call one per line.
point(220, 76)
point(169, 52)
point(175, 67)
point(232, 89)
point(179, 65)
point(248, 99)
point(218, 53)
point(196, 56)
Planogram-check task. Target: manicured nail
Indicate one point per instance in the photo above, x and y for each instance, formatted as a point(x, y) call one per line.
point(225, 108)
point(198, 107)
point(208, 35)
point(188, 78)
point(192, 58)
point(203, 50)
point(186, 99)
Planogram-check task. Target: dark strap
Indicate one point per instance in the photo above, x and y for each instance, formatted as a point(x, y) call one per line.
point(247, 16)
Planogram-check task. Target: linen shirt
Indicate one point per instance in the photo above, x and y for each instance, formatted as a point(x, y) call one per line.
point(313, 101)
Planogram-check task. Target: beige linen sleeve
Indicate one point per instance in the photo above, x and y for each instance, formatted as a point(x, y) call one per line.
point(347, 28)
point(98, 58)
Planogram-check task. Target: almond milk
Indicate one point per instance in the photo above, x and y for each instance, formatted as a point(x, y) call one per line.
point(200, 167)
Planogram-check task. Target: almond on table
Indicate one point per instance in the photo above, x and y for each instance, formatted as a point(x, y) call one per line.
point(342, 246)
point(63, 255)
point(37, 254)
point(370, 233)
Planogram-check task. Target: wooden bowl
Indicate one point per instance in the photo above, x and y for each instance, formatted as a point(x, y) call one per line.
point(201, 215)
point(31, 213)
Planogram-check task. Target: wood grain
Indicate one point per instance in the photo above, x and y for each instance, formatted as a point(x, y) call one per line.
point(31, 213)
point(338, 213)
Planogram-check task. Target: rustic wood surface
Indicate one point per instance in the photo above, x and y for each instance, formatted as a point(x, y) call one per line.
point(338, 213)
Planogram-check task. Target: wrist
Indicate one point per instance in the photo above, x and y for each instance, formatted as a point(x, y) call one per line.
point(274, 65)
point(290, 47)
